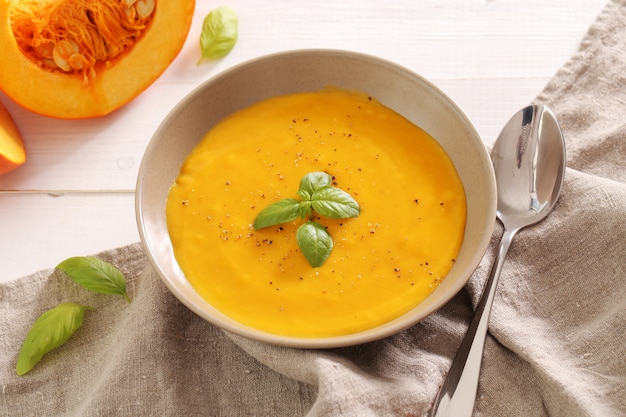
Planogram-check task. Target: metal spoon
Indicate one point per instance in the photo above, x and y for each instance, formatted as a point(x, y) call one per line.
point(529, 162)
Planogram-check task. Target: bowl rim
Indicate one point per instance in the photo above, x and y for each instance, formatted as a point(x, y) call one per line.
point(369, 335)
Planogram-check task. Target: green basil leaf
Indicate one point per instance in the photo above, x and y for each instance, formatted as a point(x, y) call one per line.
point(315, 243)
point(280, 212)
point(314, 181)
point(304, 209)
point(51, 330)
point(316, 193)
point(219, 33)
point(95, 275)
point(304, 195)
point(334, 203)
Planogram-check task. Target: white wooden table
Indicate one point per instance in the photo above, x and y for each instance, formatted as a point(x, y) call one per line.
point(75, 194)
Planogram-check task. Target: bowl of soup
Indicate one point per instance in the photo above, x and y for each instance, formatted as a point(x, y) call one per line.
point(315, 199)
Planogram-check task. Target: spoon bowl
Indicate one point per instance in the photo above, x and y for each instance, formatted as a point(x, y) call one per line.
point(529, 162)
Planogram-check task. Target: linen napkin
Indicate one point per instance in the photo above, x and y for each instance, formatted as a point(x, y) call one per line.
point(557, 342)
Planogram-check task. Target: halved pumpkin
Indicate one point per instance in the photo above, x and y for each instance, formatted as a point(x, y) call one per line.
point(12, 153)
point(78, 59)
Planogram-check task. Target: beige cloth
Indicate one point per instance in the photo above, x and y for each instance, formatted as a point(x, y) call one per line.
point(557, 343)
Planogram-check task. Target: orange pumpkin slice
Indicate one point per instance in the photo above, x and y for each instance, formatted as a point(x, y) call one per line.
point(78, 59)
point(12, 153)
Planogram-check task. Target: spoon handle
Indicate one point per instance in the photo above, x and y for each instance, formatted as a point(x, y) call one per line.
point(457, 394)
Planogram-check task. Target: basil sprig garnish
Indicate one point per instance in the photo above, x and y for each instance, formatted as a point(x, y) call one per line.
point(316, 194)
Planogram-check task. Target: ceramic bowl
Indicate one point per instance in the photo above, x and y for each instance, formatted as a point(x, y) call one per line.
point(310, 70)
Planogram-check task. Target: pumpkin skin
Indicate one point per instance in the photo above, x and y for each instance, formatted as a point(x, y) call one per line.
point(65, 96)
point(12, 152)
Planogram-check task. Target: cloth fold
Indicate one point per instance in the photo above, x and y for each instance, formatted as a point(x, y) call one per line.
point(556, 345)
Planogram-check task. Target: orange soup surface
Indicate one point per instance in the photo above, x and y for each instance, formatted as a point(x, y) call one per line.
point(384, 262)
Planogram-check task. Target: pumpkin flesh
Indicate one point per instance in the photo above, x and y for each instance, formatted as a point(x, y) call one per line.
point(12, 153)
point(69, 59)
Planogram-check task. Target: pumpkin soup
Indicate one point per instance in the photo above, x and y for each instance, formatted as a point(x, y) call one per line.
point(384, 261)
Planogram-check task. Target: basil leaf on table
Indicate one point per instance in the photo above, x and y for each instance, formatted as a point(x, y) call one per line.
point(51, 330)
point(219, 34)
point(314, 242)
point(95, 275)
